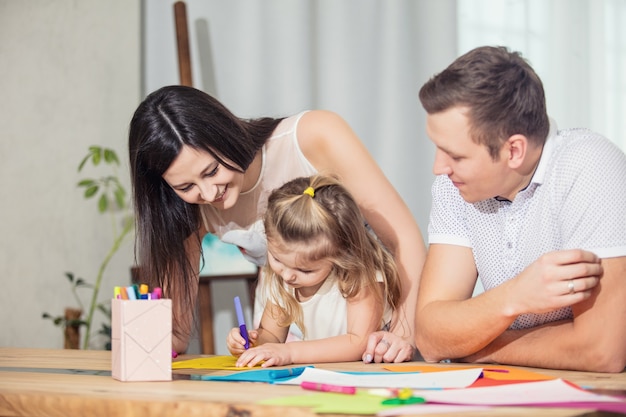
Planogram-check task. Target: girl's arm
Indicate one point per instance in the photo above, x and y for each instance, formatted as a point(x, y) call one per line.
point(364, 317)
point(268, 332)
point(332, 147)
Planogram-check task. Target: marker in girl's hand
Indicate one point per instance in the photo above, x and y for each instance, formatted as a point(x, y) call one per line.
point(242, 323)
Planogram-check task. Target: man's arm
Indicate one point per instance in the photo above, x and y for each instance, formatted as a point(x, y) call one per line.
point(449, 323)
point(452, 325)
point(594, 341)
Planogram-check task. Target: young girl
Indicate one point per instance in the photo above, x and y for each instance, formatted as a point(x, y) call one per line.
point(326, 273)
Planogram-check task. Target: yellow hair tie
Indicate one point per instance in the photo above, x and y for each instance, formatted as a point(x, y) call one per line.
point(310, 191)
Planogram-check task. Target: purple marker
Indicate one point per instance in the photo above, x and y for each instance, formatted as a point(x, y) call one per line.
point(242, 323)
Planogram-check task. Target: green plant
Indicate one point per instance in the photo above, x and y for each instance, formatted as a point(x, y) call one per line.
point(113, 201)
point(63, 321)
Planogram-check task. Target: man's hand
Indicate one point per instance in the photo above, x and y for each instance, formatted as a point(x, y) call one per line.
point(555, 280)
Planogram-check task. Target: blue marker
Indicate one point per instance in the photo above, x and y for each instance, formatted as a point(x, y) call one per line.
point(130, 291)
point(287, 373)
point(242, 323)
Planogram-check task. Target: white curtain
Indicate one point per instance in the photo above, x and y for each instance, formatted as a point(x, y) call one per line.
point(578, 48)
point(365, 59)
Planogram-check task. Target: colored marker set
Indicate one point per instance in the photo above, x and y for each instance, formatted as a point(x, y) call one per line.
point(136, 292)
point(141, 335)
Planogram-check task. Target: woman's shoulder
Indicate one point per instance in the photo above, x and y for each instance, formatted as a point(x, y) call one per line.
point(322, 134)
point(288, 125)
point(319, 120)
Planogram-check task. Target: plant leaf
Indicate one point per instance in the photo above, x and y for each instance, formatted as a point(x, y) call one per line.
point(91, 191)
point(83, 162)
point(86, 182)
point(96, 155)
point(103, 203)
point(111, 157)
point(120, 195)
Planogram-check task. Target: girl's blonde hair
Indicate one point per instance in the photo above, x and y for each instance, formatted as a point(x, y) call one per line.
point(320, 214)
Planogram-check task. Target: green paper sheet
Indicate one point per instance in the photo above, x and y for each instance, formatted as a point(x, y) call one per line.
point(331, 403)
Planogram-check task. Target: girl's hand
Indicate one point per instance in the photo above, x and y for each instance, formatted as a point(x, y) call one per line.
point(271, 354)
point(235, 341)
point(387, 347)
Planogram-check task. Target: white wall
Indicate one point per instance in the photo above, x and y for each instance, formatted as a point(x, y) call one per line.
point(70, 78)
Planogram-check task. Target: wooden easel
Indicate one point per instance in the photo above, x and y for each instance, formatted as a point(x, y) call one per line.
point(182, 41)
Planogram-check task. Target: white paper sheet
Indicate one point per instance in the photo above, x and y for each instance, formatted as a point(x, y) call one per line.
point(540, 392)
point(431, 409)
point(415, 380)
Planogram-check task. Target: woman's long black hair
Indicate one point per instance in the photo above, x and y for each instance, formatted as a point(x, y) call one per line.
point(164, 122)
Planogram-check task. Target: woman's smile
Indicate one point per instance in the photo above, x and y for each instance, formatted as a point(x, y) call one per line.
point(221, 196)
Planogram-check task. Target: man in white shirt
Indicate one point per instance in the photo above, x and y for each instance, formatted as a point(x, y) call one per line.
point(539, 215)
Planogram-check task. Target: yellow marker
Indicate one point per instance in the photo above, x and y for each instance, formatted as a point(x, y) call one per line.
point(405, 393)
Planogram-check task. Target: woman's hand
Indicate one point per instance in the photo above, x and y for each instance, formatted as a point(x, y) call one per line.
point(385, 346)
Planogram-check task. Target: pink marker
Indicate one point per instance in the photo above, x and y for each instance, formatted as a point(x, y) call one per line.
point(340, 389)
point(156, 294)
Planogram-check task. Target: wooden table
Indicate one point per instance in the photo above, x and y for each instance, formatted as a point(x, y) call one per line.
point(36, 382)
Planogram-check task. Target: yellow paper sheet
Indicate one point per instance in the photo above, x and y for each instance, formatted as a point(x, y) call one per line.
point(211, 362)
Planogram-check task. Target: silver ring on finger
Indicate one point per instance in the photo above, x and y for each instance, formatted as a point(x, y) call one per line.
point(570, 286)
point(386, 343)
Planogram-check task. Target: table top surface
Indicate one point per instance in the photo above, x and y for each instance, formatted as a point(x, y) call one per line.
point(77, 382)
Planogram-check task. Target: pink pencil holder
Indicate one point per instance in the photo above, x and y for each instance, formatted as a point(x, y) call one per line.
point(141, 340)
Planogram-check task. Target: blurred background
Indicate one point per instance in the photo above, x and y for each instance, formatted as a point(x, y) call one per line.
point(72, 73)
